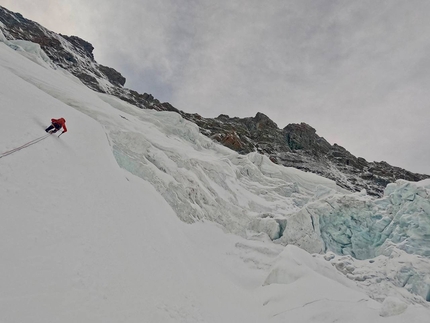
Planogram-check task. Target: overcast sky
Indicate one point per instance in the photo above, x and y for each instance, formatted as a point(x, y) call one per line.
point(357, 71)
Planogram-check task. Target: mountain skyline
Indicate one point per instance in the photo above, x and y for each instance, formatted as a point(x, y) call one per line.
point(360, 83)
point(296, 145)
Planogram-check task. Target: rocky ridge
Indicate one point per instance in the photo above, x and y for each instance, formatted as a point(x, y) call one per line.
point(299, 146)
point(296, 145)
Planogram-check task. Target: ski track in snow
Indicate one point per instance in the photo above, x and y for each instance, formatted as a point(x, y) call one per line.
point(83, 240)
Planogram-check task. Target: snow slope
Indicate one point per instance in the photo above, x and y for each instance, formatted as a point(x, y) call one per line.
point(91, 221)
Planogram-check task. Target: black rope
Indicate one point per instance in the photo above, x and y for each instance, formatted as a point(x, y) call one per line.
point(32, 142)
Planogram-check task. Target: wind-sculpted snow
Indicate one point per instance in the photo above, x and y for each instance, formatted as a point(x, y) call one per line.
point(203, 180)
point(28, 49)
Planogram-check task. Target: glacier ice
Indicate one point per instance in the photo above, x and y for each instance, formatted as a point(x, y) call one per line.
point(203, 180)
point(382, 244)
point(30, 50)
point(364, 227)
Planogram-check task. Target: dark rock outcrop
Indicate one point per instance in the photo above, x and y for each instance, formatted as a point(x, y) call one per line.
point(112, 75)
point(303, 137)
point(69, 52)
point(296, 145)
point(81, 46)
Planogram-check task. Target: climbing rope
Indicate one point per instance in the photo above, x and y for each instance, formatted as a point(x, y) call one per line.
point(7, 153)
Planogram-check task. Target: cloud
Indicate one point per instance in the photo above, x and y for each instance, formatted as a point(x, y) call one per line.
point(148, 38)
point(356, 72)
point(57, 15)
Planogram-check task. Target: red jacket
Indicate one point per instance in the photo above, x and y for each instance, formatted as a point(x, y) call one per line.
point(61, 122)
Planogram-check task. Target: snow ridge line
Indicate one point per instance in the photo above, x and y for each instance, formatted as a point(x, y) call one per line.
point(32, 142)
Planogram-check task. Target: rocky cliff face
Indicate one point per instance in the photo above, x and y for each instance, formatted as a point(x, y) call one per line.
point(296, 145)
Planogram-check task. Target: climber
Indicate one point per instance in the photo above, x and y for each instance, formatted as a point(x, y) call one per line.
point(56, 125)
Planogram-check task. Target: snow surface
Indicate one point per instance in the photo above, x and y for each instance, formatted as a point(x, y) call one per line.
point(92, 232)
